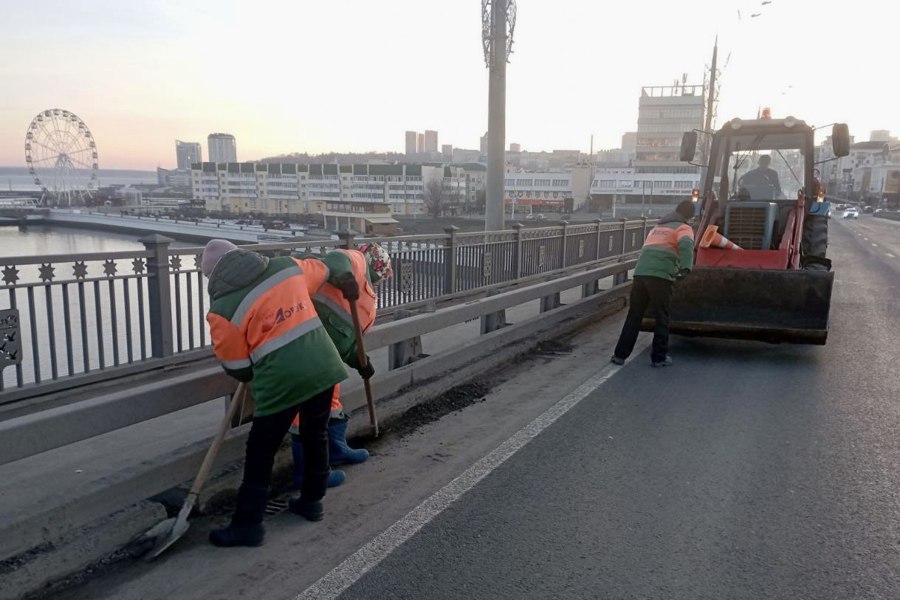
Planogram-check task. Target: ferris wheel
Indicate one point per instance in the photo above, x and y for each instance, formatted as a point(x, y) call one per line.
point(61, 155)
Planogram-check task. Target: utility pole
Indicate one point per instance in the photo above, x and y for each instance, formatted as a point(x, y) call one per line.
point(710, 108)
point(497, 45)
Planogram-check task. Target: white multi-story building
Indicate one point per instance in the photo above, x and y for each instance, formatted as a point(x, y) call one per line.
point(291, 189)
point(546, 191)
point(222, 148)
point(664, 114)
point(627, 185)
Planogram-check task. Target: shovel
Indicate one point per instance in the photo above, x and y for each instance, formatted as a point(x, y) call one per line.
point(170, 531)
point(363, 359)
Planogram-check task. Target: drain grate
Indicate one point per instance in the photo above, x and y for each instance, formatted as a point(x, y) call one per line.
point(276, 507)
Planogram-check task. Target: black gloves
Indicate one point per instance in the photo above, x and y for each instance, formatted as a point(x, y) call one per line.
point(682, 273)
point(348, 287)
point(367, 371)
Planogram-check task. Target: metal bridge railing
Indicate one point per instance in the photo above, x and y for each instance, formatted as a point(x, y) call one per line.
point(66, 316)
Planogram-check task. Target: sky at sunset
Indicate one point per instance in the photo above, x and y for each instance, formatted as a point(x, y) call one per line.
point(353, 75)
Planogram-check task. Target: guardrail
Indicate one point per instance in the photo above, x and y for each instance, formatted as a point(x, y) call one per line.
point(82, 315)
point(82, 414)
point(104, 411)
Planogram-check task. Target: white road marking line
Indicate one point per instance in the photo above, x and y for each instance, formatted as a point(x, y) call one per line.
point(889, 255)
point(874, 245)
point(334, 583)
point(865, 238)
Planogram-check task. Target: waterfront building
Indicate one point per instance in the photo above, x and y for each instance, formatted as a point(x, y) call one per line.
point(336, 189)
point(222, 148)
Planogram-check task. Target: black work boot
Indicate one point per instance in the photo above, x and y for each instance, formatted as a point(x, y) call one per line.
point(311, 510)
point(246, 528)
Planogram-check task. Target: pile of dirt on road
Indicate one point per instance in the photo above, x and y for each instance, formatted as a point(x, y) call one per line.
point(454, 399)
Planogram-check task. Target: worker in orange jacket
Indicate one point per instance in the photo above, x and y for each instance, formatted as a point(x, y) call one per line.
point(369, 265)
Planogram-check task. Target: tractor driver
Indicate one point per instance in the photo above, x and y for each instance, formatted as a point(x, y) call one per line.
point(762, 175)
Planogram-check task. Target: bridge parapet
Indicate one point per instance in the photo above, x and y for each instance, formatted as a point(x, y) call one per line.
point(84, 315)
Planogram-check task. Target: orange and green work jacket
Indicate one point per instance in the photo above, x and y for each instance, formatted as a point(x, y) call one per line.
point(334, 309)
point(265, 329)
point(668, 249)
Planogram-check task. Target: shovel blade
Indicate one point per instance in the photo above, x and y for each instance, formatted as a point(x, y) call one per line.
point(167, 533)
point(753, 304)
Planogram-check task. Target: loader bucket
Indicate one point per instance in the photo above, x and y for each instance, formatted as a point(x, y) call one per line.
point(751, 304)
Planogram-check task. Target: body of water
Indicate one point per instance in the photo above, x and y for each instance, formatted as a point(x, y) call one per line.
point(78, 323)
point(17, 179)
point(35, 241)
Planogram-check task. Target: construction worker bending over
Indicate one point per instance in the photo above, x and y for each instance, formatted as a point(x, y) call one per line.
point(369, 265)
point(265, 330)
point(667, 255)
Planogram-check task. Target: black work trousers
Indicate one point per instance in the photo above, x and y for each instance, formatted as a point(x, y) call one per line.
point(267, 433)
point(656, 294)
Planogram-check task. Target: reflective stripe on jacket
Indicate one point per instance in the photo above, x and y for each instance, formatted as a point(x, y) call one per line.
point(332, 297)
point(668, 248)
point(270, 325)
point(334, 309)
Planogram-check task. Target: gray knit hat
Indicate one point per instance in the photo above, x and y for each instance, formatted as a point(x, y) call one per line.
point(215, 249)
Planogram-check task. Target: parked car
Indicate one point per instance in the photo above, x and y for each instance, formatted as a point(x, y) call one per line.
point(535, 217)
point(868, 209)
point(851, 213)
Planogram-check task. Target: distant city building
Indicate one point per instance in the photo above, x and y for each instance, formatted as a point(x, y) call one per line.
point(431, 141)
point(177, 178)
point(664, 114)
point(546, 161)
point(629, 141)
point(546, 191)
point(484, 143)
point(334, 190)
point(463, 155)
point(186, 154)
point(613, 157)
point(515, 147)
point(222, 148)
point(447, 151)
point(881, 135)
point(420, 143)
point(412, 138)
point(626, 185)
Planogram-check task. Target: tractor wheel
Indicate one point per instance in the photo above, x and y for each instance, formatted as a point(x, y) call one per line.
point(815, 243)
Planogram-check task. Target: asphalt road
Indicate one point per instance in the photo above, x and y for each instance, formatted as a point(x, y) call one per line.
point(746, 470)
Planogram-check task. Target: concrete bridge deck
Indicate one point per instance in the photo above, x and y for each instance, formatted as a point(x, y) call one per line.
point(744, 471)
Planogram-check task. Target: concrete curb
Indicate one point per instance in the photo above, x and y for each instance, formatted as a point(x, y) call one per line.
point(75, 551)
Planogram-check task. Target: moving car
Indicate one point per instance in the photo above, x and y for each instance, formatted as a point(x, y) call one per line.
point(851, 213)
